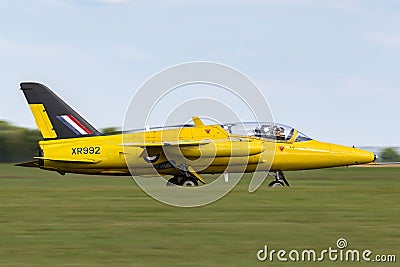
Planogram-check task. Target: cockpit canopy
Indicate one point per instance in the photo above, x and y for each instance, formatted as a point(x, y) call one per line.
point(267, 130)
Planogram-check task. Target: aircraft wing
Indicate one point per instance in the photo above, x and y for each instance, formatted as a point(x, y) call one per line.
point(170, 143)
point(182, 142)
point(70, 160)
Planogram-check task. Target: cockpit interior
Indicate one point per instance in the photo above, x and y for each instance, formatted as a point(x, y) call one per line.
point(270, 131)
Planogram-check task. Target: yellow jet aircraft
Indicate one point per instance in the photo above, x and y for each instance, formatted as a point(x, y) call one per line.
point(72, 145)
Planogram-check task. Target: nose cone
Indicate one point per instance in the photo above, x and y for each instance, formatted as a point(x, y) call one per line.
point(344, 156)
point(360, 156)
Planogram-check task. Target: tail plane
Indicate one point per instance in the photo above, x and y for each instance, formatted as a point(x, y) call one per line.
point(54, 118)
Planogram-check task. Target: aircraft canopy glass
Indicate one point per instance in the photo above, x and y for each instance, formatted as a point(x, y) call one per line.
point(267, 130)
point(271, 131)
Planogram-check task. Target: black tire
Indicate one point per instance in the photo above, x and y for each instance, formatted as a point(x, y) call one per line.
point(189, 182)
point(173, 181)
point(276, 184)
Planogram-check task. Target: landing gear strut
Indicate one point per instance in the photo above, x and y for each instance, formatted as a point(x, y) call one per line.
point(187, 177)
point(280, 180)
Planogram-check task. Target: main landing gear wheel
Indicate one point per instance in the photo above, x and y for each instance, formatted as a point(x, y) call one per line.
point(173, 181)
point(189, 182)
point(280, 180)
point(182, 181)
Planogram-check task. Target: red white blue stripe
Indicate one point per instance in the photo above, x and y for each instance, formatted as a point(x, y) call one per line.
point(74, 125)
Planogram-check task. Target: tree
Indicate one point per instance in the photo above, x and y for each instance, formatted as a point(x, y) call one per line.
point(389, 155)
point(111, 130)
point(21, 144)
point(17, 143)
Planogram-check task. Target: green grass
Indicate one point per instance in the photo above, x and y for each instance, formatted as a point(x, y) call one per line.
point(75, 220)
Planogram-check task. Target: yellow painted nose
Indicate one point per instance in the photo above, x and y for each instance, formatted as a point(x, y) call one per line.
point(343, 155)
point(360, 156)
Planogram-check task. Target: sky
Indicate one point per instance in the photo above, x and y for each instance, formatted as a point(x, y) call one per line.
point(328, 68)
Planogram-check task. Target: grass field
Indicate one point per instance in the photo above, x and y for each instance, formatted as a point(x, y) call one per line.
point(75, 220)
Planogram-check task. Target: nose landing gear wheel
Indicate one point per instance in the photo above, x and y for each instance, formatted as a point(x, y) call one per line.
point(276, 184)
point(280, 180)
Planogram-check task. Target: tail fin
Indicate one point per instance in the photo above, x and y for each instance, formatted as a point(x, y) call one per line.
point(54, 118)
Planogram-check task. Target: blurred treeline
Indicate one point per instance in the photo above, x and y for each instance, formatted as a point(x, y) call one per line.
point(17, 143)
point(389, 155)
point(21, 144)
